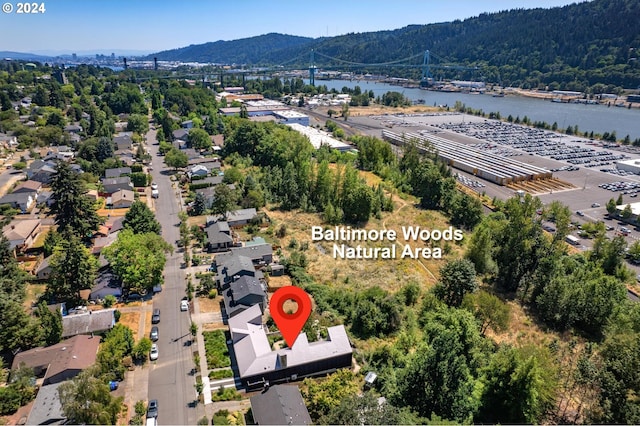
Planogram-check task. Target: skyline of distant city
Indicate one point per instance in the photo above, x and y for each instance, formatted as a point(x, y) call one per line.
point(142, 27)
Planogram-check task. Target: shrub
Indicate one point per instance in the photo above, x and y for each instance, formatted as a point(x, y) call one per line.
point(109, 301)
point(220, 374)
point(217, 352)
point(213, 294)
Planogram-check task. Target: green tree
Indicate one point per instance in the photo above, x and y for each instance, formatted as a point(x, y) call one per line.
point(73, 268)
point(141, 350)
point(491, 312)
point(626, 212)
point(199, 204)
point(74, 212)
point(322, 396)
point(86, 399)
point(224, 200)
point(176, 159)
point(138, 123)
point(138, 259)
point(366, 409)
point(440, 376)
point(51, 323)
point(457, 278)
point(199, 139)
point(519, 386)
point(53, 239)
point(140, 219)
point(611, 206)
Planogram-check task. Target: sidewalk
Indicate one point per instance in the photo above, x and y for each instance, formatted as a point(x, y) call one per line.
point(197, 318)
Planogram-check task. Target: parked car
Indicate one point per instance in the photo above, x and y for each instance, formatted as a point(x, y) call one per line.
point(155, 318)
point(152, 409)
point(580, 213)
point(154, 334)
point(155, 193)
point(154, 185)
point(153, 355)
point(184, 305)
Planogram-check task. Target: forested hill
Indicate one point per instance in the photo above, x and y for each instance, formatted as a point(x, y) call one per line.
point(244, 51)
point(570, 47)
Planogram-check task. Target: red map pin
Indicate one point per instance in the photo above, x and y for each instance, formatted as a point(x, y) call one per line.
point(290, 325)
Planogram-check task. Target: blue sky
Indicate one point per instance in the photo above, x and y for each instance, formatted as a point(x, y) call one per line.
point(153, 25)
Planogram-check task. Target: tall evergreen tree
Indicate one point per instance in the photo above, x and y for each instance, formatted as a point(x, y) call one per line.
point(140, 219)
point(73, 269)
point(74, 212)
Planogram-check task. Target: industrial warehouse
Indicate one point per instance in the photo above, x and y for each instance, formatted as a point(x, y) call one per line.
point(491, 167)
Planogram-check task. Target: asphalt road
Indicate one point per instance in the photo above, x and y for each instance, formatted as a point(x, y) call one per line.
point(170, 379)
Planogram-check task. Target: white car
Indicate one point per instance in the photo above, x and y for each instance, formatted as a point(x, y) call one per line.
point(154, 185)
point(153, 355)
point(184, 305)
point(155, 193)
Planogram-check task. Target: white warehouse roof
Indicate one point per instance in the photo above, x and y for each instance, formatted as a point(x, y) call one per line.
point(319, 138)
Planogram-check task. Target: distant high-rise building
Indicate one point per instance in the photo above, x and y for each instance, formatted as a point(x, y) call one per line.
point(113, 55)
point(75, 57)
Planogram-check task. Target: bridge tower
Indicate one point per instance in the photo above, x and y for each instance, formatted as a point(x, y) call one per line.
point(312, 68)
point(427, 79)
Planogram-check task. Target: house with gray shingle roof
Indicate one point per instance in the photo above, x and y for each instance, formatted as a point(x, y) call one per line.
point(242, 294)
point(88, 322)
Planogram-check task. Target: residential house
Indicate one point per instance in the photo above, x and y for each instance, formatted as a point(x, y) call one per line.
point(179, 144)
point(28, 186)
point(89, 322)
point(188, 124)
point(112, 185)
point(209, 181)
point(218, 142)
point(209, 162)
point(22, 233)
point(8, 141)
point(192, 154)
point(280, 405)
point(102, 242)
point(181, 134)
point(61, 361)
point(41, 171)
point(259, 366)
point(47, 409)
point(22, 200)
point(219, 236)
point(243, 293)
point(106, 283)
point(197, 171)
point(46, 197)
point(125, 155)
point(123, 142)
point(44, 269)
point(122, 199)
point(114, 173)
point(233, 268)
point(73, 128)
point(93, 194)
point(260, 254)
point(236, 218)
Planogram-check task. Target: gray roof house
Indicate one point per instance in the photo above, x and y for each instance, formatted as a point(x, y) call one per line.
point(46, 408)
point(123, 142)
point(259, 365)
point(112, 185)
point(41, 171)
point(88, 322)
point(219, 236)
point(44, 269)
point(258, 253)
point(280, 405)
point(242, 294)
point(22, 200)
point(114, 173)
point(235, 267)
point(237, 217)
point(180, 134)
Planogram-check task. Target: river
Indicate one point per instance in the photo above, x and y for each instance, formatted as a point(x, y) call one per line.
point(596, 118)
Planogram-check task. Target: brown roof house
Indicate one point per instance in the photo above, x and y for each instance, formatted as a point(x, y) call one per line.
point(61, 361)
point(22, 233)
point(122, 199)
point(259, 366)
